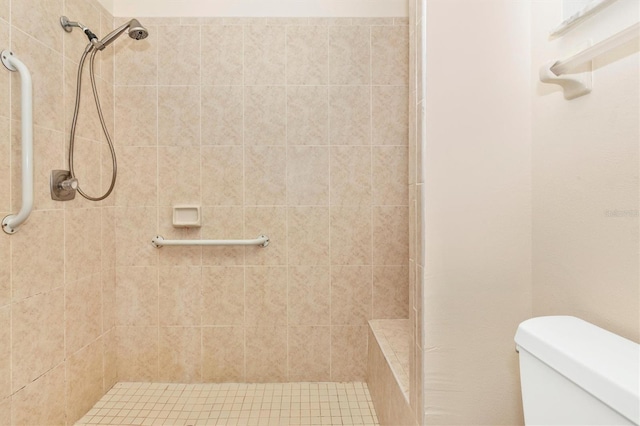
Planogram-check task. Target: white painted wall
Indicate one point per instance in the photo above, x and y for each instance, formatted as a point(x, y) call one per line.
point(586, 166)
point(531, 201)
point(478, 209)
point(258, 8)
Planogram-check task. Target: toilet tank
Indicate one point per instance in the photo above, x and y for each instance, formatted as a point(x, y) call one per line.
point(575, 373)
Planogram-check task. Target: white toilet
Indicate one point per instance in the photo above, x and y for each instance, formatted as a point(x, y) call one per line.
point(574, 373)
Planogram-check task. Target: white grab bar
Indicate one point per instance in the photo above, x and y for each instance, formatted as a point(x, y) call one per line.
point(159, 241)
point(11, 223)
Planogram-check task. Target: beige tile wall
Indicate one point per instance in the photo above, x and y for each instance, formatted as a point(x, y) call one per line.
point(295, 128)
point(57, 291)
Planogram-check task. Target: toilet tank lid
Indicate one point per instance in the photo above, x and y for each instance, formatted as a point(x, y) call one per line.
point(602, 363)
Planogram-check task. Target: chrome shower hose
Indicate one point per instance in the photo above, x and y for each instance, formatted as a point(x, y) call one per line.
point(90, 49)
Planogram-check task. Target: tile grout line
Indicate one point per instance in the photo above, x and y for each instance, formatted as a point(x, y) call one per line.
point(157, 254)
point(202, 251)
point(286, 195)
point(244, 209)
point(64, 240)
point(371, 211)
point(329, 146)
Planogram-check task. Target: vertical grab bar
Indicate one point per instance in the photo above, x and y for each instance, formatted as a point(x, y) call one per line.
point(11, 223)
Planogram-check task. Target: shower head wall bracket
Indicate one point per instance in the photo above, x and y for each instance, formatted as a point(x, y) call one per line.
point(67, 25)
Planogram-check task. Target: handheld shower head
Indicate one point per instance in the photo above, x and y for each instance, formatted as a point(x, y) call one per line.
point(136, 32)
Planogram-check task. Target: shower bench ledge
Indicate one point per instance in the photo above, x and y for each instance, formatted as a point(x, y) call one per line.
point(388, 372)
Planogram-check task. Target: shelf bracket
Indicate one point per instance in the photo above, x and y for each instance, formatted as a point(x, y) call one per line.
point(573, 85)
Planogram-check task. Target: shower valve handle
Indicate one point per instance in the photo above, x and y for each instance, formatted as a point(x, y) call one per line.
point(69, 184)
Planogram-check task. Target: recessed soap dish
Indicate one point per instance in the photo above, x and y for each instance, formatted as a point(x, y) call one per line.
point(186, 216)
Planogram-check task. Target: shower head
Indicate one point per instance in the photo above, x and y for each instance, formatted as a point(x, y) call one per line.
point(136, 32)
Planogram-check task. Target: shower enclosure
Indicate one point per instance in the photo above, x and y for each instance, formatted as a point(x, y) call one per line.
point(292, 128)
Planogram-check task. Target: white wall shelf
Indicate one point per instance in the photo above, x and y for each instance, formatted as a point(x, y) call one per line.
point(576, 19)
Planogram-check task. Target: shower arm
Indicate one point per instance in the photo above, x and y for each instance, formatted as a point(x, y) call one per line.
point(70, 25)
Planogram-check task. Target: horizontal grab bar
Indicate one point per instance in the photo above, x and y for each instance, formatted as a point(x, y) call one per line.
point(159, 241)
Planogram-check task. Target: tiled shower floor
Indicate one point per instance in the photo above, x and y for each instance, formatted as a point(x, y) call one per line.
point(234, 404)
